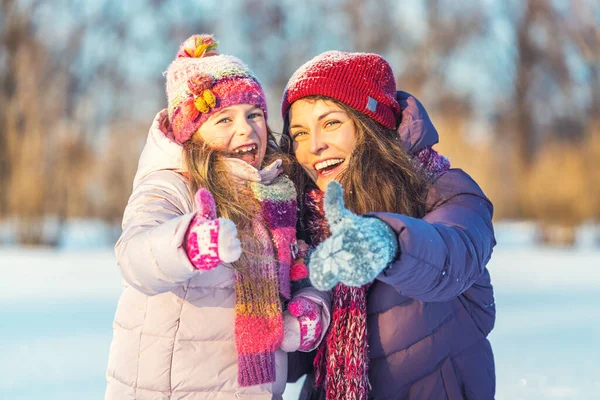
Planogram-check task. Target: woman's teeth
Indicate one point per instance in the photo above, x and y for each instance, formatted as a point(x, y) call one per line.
point(328, 164)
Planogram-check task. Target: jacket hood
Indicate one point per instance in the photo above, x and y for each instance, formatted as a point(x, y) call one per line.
point(161, 152)
point(416, 129)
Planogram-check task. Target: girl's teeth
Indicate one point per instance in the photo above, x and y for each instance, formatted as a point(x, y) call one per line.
point(246, 149)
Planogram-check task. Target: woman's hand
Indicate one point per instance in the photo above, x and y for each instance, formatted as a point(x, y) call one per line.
point(357, 251)
point(211, 241)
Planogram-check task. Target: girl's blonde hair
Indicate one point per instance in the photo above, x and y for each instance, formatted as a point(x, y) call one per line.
point(207, 169)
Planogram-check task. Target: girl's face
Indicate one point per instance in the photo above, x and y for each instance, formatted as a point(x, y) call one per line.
point(240, 130)
point(323, 138)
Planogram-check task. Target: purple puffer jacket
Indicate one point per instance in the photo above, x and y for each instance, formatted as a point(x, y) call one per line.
point(430, 312)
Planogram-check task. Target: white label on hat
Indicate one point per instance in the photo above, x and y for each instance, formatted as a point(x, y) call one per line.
point(372, 104)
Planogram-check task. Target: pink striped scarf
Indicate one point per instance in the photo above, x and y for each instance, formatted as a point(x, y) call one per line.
point(258, 319)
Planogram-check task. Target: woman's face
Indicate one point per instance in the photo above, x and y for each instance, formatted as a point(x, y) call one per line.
point(240, 130)
point(323, 138)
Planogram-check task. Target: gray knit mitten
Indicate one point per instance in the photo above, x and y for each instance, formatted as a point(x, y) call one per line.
point(358, 249)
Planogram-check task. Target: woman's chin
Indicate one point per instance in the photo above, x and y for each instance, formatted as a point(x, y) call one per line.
point(323, 182)
point(324, 179)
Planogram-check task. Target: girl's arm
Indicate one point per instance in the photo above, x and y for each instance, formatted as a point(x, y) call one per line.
point(312, 309)
point(309, 306)
point(444, 253)
point(151, 251)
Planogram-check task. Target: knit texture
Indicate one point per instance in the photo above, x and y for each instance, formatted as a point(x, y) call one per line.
point(210, 241)
point(357, 251)
point(363, 81)
point(432, 162)
point(258, 308)
point(201, 82)
point(341, 363)
point(308, 314)
point(342, 358)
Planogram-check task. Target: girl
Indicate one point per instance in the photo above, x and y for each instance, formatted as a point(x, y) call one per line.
point(201, 315)
point(412, 299)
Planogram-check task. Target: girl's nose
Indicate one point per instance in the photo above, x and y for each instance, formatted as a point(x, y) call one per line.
point(243, 127)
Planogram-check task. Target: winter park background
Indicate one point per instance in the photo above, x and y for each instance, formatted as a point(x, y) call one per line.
point(512, 86)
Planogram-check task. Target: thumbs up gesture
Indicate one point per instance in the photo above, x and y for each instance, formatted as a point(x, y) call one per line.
point(357, 251)
point(210, 241)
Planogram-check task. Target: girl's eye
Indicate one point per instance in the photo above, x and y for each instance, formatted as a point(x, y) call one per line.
point(254, 115)
point(224, 120)
point(329, 124)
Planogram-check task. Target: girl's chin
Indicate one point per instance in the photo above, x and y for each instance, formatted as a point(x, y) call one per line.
point(256, 164)
point(254, 160)
point(259, 161)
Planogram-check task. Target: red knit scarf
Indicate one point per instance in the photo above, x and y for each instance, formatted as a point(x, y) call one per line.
point(342, 359)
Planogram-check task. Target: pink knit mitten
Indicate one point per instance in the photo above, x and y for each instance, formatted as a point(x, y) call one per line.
point(307, 317)
point(211, 241)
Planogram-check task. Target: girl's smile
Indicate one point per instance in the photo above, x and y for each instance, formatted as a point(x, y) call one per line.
point(240, 131)
point(247, 152)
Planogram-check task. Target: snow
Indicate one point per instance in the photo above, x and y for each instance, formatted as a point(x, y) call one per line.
point(73, 234)
point(87, 234)
point(56, 311)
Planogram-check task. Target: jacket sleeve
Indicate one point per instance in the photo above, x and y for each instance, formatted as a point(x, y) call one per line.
point(150, 251)
point(444, 253)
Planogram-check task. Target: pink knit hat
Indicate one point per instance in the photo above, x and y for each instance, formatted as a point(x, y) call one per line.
point(201, 82)
point(363, 81)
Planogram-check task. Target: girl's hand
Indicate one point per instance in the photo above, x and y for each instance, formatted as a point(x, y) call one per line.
point(302, 325)
point(357, 251)
point(211, 241)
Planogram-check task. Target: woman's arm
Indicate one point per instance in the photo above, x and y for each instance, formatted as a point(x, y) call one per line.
point(442, 254)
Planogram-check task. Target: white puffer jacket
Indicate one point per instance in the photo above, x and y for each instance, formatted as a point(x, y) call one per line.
point(174, 325)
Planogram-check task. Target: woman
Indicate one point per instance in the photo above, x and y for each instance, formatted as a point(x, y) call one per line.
point(412, 322)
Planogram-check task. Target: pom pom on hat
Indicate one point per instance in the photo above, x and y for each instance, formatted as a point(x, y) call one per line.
point(199, 83)
point(198, 46)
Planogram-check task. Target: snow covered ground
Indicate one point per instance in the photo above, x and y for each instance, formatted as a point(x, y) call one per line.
point(56, 310)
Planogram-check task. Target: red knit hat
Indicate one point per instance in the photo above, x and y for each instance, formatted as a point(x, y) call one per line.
point(363, 81)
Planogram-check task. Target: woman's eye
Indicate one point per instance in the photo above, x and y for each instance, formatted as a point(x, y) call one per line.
point(298, 134)
point(254, 115)
point(329, 124)
point(224, 120)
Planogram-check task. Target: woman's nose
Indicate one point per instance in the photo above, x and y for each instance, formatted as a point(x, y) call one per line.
point(317, 144)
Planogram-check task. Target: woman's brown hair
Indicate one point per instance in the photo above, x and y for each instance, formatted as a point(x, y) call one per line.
point(380, 176)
